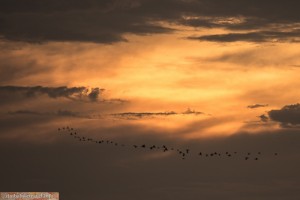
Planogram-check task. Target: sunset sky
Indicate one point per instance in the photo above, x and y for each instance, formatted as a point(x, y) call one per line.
point(207, 75)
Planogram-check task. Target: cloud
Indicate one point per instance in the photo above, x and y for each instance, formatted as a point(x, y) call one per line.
point(143, 114)
point(258, 36)
point(134, 115)
point(109, 21)
point(92, 21)
point(263, 118)
point(257, 106)
point(262, 57)
point(74, 93)
point(94, 94)
point(64, 113)
point(288, 115)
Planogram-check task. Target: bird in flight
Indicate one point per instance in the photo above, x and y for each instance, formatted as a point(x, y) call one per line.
point(183, 153)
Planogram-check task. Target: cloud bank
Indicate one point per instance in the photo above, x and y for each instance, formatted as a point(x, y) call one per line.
point(109, 21)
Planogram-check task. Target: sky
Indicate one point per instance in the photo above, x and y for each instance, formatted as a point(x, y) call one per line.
point(204, 75)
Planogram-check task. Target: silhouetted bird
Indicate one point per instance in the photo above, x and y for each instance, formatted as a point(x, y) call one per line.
point(183, 153)
point(276, 154)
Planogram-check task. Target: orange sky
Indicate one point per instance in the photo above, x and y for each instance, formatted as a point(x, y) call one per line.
point(165, 72)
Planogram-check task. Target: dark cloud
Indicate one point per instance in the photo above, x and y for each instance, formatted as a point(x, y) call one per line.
point(259, 36)
point(252, 57)
point(92, 21)
point(8, 93)
point(108, 21)
point(25, 112)
point(253, 106)
point(94, 94)
point(264, 118)
point(65, 113)
point(52, 92)
point(191, 112)
point(134, 115)
point(114, 101)
point(130, 115)
point(288, 115)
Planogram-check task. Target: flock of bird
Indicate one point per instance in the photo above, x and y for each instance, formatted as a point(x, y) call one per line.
point(183, 153)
